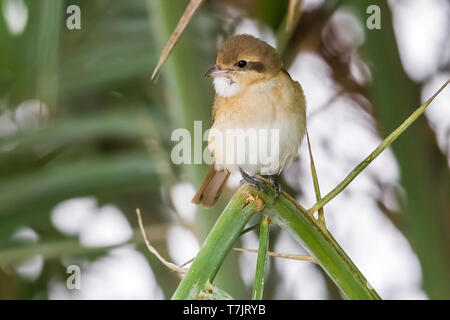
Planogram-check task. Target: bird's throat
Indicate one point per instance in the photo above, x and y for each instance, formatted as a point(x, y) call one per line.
point(226, 87)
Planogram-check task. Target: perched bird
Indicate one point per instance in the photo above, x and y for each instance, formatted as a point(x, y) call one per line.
point(253, 94)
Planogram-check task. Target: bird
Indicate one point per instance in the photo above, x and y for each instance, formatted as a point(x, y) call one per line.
point(253, 94)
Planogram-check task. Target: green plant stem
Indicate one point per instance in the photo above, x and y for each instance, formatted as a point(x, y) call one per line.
point(258, 285)
point(248, 229)
point(283, 33)
point(306, 230)
point(383, 145)
point(217, 244)
point(288, 214)
point(321, 216)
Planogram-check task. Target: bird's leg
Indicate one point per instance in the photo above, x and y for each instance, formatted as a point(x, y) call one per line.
point(258, 183)
point(275, 185)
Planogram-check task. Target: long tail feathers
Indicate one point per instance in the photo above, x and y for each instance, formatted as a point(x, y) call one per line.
point(211, 188)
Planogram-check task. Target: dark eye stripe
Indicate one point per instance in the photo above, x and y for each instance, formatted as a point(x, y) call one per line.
point(256, 66)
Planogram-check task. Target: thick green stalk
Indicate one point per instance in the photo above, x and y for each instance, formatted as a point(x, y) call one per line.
point(289, 215)
point(383, 145)
point(216, 246)
point(292, 217)
point(258, 284)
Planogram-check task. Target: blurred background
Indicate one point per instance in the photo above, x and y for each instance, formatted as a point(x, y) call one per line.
point(85, 139)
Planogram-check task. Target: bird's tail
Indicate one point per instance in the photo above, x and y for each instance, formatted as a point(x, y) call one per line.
point(211, 188)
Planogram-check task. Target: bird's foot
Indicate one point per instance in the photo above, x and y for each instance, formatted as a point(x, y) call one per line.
point(258, 183)
point(275, 185)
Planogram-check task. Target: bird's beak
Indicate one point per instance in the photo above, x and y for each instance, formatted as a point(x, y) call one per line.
point(216, 71)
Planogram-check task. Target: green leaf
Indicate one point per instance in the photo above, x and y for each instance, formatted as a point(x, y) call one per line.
point(26, 198)
point(258, 284)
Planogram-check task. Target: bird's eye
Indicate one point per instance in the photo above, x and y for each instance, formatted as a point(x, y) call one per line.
point(241, 64)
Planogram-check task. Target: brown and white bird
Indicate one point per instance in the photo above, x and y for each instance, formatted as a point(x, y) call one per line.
point(253, 94)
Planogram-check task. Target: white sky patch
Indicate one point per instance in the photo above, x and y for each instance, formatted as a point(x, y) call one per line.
point(123, 274)
point(313, 74)
point(15, 13)
point(182, 194)
point(26, 235)
point(299, 279)
point(255, 29)
point(32, 267)
point(71, 215)
point(31, 114)
point(247, 260)
point(96, 227)
point(438, 113)
point(347, 28)
point(309, 5)
point(107, 227)
point(182, 244)
point(421, 31)
point(7, 124)
point(379, 250)
point(234, 180)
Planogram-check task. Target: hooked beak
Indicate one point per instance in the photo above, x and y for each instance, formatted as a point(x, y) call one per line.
point(216, 71)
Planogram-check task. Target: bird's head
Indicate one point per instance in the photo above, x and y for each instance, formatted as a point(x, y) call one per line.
point(241, 61)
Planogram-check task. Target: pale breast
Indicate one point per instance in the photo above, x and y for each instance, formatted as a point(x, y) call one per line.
point(259, 130)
